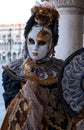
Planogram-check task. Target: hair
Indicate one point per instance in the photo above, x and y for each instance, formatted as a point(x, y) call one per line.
point(30, 23)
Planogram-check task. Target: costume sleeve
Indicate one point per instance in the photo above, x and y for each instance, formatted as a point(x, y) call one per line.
point(11, 87)
point(11, 81)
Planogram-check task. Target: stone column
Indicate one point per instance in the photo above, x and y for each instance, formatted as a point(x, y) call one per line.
point(70, 26)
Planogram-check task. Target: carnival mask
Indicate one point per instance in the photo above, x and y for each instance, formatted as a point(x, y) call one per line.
point(39, 42)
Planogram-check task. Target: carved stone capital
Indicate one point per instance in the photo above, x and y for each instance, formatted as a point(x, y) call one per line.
point(68, 3)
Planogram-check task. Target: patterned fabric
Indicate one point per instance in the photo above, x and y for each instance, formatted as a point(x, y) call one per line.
point(56, 117)
point(73, 90)
point(71, 83)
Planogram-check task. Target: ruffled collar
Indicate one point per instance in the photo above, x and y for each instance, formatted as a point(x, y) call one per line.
point(45, 73)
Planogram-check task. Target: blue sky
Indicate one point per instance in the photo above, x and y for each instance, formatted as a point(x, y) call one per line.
point(15, 11)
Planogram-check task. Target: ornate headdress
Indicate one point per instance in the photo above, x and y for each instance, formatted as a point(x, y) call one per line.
point(46, 14)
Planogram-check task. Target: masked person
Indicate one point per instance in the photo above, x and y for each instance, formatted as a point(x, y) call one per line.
point(37, 106)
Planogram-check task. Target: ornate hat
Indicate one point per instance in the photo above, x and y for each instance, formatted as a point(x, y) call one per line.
point(46, 14)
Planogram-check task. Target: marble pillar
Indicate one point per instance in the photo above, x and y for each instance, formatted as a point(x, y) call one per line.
point(70, 26)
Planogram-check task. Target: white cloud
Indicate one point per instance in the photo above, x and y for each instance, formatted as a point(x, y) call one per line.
point(15, 11)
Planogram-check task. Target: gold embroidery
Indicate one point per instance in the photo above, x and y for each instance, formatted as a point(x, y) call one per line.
point(27, 66)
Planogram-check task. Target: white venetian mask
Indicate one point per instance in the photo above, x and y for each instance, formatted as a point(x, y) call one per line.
point(39, 42)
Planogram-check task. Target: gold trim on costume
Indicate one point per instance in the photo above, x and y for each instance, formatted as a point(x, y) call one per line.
point(47, 80)
point(49, 122)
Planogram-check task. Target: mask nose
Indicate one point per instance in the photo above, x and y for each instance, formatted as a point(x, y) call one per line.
point(36, 46)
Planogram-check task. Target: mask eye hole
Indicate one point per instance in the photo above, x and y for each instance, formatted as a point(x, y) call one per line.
point(41, 43)
point(31, 41)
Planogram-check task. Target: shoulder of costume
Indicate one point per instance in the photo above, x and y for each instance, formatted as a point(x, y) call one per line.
point(14, 69)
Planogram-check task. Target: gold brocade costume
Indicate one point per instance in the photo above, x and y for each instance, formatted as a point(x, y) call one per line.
point(51, 111)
